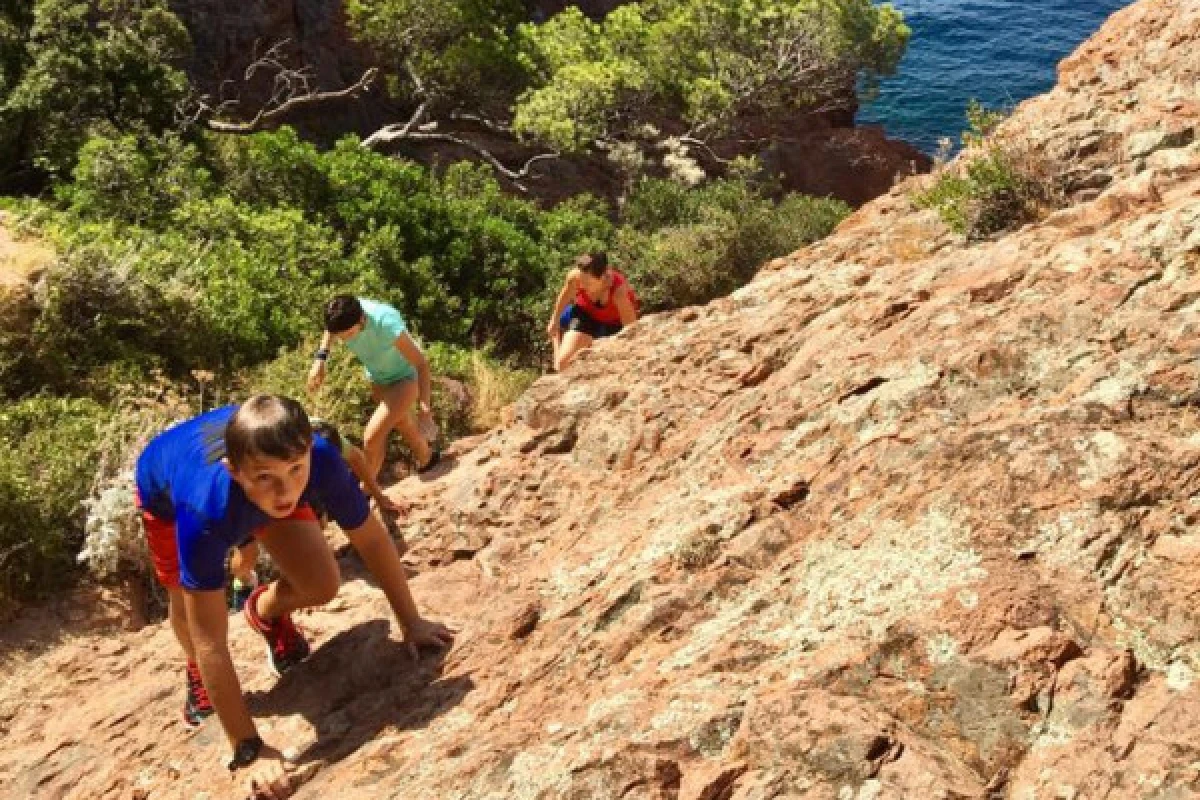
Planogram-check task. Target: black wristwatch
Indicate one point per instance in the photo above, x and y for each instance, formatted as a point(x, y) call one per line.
point(245, 753)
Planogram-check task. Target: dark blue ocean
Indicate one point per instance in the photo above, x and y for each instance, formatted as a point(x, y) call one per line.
point(997, 51)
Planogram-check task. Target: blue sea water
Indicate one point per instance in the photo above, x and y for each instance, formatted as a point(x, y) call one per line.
point(999, 52)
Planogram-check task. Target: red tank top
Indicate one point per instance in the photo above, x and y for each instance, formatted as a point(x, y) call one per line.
point(606, 312)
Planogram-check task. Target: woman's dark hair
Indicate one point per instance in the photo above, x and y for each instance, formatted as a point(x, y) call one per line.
point(342, 313)
point(268, 425)
point(329, 433)
point(594, 264)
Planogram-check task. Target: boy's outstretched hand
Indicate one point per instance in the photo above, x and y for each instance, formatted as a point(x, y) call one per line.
point(425, 633)
point(270, 777)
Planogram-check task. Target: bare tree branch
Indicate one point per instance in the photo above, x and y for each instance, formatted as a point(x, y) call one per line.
point(291, 89)
point(391, 134)
point(692, 141)
point(478, 119)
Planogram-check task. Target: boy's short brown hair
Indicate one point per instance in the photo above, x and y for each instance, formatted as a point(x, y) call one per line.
point(268, 425)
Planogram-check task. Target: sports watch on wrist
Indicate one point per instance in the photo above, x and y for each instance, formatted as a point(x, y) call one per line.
point(245, 753)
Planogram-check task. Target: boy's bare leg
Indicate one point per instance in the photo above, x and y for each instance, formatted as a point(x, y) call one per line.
point(396, 410)
point(308, 572)
point(179, 621)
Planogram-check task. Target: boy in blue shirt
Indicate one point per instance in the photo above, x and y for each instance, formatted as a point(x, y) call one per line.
point(255, 469)
point(395, 366)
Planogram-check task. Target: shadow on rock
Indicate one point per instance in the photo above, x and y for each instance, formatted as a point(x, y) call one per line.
point(357, 684)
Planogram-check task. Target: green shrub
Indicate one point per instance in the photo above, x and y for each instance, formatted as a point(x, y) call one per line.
point(97, 313)
point(136, 180)
point(52, 446)
point(344, 399)
point(91, 67)
point(491, 386)
point(999, 183)
point(683, 247)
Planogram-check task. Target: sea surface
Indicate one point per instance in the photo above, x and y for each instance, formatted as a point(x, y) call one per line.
point(999, 52)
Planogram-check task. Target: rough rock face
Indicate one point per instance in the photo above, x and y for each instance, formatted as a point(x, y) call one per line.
point(900, 519)
point(855, 164)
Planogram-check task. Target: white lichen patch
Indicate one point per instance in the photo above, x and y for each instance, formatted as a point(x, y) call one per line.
point(1061, 540)
point(570, 582)
point(1054, 732)
point(538, 772)
point(904, 381)
point(967, 599)
point(1117, 389)
point(842, 593)
point(1179, 676)
point(614, 710)
point(941, 649)
point(1100, 458)
point(871, 789)
point(455, 720)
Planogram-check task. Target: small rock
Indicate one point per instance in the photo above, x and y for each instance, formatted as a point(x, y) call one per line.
point(524, 622)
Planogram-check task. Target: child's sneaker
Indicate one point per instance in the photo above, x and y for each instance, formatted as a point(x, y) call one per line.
point(241, 592)
point(286, 646)
point(197, 707)
point(435, 458)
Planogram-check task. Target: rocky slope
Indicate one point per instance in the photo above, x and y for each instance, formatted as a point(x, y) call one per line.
point(900, 519)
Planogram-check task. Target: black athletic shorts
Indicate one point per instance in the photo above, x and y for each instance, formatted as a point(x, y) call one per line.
point(575, 318)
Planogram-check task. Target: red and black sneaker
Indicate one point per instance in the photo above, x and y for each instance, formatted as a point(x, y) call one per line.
point(197, 707)
point(286, 646)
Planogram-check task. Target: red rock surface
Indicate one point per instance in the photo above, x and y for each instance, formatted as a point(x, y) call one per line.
point(901, 519)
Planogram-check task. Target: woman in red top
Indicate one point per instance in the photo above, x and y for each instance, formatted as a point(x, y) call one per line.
point(595, 301)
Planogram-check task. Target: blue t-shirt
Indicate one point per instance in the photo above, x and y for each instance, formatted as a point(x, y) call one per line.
point(375, 344)
point(180, 477)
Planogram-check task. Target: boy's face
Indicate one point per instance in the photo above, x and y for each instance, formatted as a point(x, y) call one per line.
point(349, 333)
point(272, 484)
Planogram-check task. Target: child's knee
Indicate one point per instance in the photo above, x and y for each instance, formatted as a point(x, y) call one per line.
point(407, 424)
point(324, 587)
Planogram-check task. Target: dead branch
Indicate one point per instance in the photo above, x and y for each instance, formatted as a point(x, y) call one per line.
point(291, 89)
point(391, 134)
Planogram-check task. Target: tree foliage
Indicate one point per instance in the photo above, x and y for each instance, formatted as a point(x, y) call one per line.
point(88, 67)
point(698, 66)
point(699, 69)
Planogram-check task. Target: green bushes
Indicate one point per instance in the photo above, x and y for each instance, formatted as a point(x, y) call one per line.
point(999, 184)
point(99, 320)
point(52, 445)
point(687, 246)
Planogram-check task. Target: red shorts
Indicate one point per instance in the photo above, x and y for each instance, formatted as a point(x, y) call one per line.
point(164, 551)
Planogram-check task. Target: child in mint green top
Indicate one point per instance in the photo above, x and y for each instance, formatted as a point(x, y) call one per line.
point(375, 344)
point(397, 369)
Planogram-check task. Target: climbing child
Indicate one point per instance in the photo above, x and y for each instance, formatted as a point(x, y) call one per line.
point(395, 366)
point(256, 469)
point(595, 301)
point(243, 560)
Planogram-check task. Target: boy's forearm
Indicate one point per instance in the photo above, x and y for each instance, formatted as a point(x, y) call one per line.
point(224, 690)
point(379, 553)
